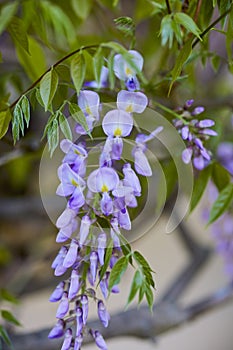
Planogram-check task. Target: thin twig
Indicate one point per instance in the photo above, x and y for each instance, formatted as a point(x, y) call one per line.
point(53, 66)
point(196, 41)
point(198, 8)
point(168, 7)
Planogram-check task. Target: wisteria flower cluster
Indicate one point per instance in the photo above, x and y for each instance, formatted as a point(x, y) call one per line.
point(102, 195)
point(195, 133)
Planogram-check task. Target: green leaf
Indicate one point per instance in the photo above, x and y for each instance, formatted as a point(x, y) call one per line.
point(180, 61)
point(7, 296)
point(149, 297)
point(5, 118)
point(141, 261)
point(18, 33)
point(141, 294)
point(111, 73)
point(187, 22)
point(125, 25)
point(48, 87)
point(220, 176)
point(229, 40)
point(64, 126)
point(4, 335)
point(222, 203)
point(107, 257)
point(166, 30)
point(53, 136)
point(7, 12)
point(78, 70)
point(35, 63)
point(98, 62)
point(18, 117)
point(117, 272)
point(60, 22)
point(25, 106)
point(200, 186)
point(135, 286)
point(81, 8)
point(224, 5)
point(7, 315)
point(78, 116)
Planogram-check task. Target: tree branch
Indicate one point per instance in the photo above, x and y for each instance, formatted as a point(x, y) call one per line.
point(168, 7)
point(53, 66)
point(136, 322)
point(196, 41)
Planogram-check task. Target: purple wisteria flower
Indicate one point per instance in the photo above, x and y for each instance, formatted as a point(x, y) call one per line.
point(141, 163)
point(194, 132)
point(103, 180)
point(124, 71)
point(89, 103)
point(116, 124)
point(75, 156)
point(103, 82)
point(71, 184)
point(131, 101)
point(67, 224)
point(102, 195)
point(103, 314)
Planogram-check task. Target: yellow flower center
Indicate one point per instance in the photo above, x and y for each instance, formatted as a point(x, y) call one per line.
point(129, 108)
point(74, 183)
point(128, 71)
point(117, 132)
point(104, 188)
point(88, 110)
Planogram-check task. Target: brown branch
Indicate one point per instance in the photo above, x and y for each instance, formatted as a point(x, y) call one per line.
point(136, 322)
point(53, 66)
point(168, 7)
point(196, 41)
point(198, 8)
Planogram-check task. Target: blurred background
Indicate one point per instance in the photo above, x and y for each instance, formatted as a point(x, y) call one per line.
point(27, 237)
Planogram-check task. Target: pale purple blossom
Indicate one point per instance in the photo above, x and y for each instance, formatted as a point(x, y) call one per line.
point(102, 242)
point(131, 101)
point(74, 284)
point(63, 306)
point(78, 342)
point(126, 72)
point(75, 156)
point(67, 340)
point(103, 313)
point(89, 103)
point(58, 292)
point(79, 321)
point(102, 180)
point(84, 302)
point(93, 266)
point(71, 255)
point(102, 83)
point(117, 123)
point(58, 330)
point(84, 229)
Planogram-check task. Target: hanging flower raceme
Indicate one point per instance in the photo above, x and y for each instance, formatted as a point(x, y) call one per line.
point(195, 133)
point(126, 71)
point(102, 195)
